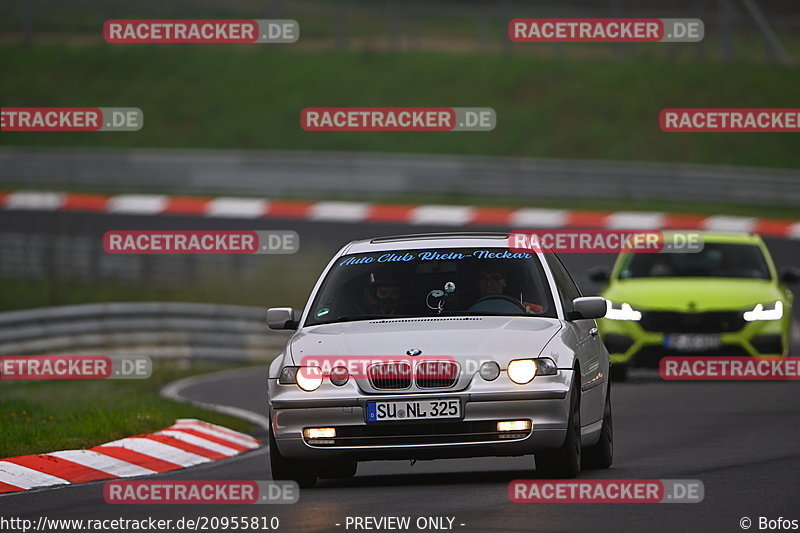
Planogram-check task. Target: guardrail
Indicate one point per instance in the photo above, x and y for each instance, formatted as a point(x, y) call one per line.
point(156, 329)
point(348, 174)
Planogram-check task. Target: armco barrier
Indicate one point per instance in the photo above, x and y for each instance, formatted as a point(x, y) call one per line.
point(157, 329)
point(347, 174)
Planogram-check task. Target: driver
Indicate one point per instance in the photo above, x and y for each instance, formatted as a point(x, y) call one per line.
point(492, 282)
point(386, 292)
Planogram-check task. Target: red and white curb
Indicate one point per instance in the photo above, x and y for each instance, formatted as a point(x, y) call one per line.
point(187, 442)
point(357, 212)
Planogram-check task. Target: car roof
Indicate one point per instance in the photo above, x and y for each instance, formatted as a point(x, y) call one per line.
point(429, 241)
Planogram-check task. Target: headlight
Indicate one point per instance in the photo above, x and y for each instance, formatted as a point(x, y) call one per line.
point(621, 311)
point(522, 371)
point(773, 311)
point(288, 375)
point(339, 375)
point(490, 370)
point(308, 378)
point(546, 367)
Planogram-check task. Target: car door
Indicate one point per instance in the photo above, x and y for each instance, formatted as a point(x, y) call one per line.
point(587, 344)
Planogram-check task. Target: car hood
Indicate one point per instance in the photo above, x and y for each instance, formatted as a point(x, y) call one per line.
point(498, 338)
point(693, 294)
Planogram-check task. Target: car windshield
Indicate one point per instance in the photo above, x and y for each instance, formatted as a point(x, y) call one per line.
point(432, 282)
point(717, 260)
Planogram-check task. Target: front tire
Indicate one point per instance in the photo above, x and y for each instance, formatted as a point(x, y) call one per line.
point(601, 455)
point(284, 468)
point(565, 461)
point(341, 469)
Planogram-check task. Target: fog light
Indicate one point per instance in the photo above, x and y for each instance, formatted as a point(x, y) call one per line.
point(339, 375)
point(319, 433)
point(514, 425)
point(490, 370)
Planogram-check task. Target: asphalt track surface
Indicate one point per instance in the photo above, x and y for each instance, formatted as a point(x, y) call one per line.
point(740, 438)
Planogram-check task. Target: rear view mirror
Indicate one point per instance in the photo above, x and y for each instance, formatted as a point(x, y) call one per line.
point(281, 318)
point(599, 274)
point(587, 307)
point(789, 274)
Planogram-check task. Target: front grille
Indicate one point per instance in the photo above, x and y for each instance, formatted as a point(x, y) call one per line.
point(650, 356)
point(390, 376)
point(769, 344)
point(436, 374)
point(672, 322)
point(441, 432)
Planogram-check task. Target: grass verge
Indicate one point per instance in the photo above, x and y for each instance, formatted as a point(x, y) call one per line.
point(45, 416)
point(249, 97)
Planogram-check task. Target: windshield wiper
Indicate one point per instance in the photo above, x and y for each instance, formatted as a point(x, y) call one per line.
point(355, 318)
point(479, 313)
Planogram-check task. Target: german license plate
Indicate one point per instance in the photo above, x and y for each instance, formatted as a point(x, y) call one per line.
point(692, 343)
point(384, 411)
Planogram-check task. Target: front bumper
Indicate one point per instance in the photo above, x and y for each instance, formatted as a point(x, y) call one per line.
point(544, 401)
point(629, 344)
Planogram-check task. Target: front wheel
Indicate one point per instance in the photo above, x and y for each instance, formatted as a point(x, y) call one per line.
point(284, 468)
point(601, 455)
point(565, 461)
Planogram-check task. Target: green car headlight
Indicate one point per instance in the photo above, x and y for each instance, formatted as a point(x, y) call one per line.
point(773, 311)
point(621, 311)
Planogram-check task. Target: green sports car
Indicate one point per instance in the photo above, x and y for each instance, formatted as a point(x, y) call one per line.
point(726, 300)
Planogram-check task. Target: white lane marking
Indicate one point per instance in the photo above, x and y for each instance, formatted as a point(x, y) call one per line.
point(198, 441)
point(539, 218)
point(104, 463)
point(339, 211)
point(236, 207)
point(454, 215)
point(27, 478)
point(221, 429)
point(729, 224)
point(794, 231)
point(635, 220)
point(39, 200)
point(137, 204)
point(173, 392)
point(159, 450)
point(247, 442)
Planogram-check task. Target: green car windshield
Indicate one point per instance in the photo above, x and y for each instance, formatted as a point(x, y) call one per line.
point(718, 260)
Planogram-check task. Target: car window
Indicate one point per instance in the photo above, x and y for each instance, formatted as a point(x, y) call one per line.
point(718, 260)
point(433, 282)
point(567, 288)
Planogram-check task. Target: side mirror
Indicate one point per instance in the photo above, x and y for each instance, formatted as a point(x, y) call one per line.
point(587, 307)
point(599, 274)
point(789, 275)
point(281, 318)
